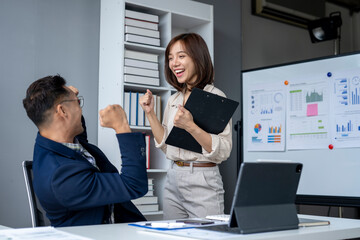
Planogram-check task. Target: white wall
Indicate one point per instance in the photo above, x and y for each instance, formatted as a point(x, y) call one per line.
point(39, 38)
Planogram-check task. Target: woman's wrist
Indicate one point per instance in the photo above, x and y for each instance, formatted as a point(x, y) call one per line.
point(192, 128)
point(150, 114)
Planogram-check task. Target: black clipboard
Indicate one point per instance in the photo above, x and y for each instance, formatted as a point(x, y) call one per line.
point(210, 112)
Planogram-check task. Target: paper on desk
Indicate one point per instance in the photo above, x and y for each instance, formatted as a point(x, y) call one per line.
point(195, 233)
point(40, 233)
point(162, 225)
point(172, 224)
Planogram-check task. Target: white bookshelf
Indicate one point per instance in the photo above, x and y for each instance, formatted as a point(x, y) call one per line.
point(175, 17)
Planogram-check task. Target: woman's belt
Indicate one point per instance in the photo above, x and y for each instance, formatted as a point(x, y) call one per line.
point(195, 164)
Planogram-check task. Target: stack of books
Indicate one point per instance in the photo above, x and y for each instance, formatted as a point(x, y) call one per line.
point(148, 203)
point(135, 113)
point(141, 68)
point(142, 28)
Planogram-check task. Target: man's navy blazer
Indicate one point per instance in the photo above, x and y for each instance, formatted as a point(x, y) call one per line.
point(73, 192)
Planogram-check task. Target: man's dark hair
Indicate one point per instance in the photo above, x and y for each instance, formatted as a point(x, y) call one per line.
point(41, 96)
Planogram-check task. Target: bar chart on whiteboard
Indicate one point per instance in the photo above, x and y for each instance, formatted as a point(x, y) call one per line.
point(346, 102)
point(267, 118)
point(308, 114)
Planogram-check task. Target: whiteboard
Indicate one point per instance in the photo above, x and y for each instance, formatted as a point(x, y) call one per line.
point(308, 112)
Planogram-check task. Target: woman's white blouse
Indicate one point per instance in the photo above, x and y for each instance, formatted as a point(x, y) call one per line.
point(221, 143)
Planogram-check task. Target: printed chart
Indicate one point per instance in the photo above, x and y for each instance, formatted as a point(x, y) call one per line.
point(346, 101)
point(308, 115)
point(267, 117)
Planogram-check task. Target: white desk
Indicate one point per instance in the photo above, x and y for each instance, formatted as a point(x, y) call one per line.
point(339, 228)
point(3, 227)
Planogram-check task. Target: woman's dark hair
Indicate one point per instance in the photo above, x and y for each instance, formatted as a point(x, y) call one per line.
point(198, 51)
point(41, 96)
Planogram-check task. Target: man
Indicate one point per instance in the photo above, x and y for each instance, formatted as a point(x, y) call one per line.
point(74, 181)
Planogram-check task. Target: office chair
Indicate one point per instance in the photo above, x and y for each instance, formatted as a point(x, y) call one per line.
point(38, 217)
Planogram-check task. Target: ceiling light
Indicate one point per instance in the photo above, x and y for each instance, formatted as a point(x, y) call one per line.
point(325, 28)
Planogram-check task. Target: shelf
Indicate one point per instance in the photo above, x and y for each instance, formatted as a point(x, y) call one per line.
point(141, 128)
point(152, 213)
point(146, 48)
point(188, 22)
point(175, 17)
point(140, 87)
point(157, 170)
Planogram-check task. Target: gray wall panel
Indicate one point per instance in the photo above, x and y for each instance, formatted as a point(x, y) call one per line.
point(227, 64)
point(39, 38)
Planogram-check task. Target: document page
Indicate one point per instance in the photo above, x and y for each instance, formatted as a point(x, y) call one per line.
point(41, 233)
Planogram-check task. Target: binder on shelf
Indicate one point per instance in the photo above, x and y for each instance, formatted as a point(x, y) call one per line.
point(147, 144)
point(142, 32)
point(141, 64)
point(141, 24)
point(134, 112)
point(141, 56)
point(133, 108)
point(141, 72)
point(145, 200)
point(210, 112)
point(141, 39)
point(141, 80)
point(126, 105)
point(142, 16)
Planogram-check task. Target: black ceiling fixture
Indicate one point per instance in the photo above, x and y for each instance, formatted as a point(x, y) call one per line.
point(328, 28)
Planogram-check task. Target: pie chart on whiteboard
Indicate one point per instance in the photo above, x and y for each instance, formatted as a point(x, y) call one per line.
point(257, 128)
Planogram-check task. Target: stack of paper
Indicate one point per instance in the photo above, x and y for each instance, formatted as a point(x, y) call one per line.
point(41, 233)
point(142, 28)
point(148, 203)
point(141, 68)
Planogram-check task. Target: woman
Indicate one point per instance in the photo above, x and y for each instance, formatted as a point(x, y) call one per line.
point(193, 185)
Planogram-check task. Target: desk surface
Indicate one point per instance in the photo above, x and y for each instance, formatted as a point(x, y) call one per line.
point(3, 227)
point(339, 228)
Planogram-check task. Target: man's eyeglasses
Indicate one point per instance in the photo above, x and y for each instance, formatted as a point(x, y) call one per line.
point(80, 100)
